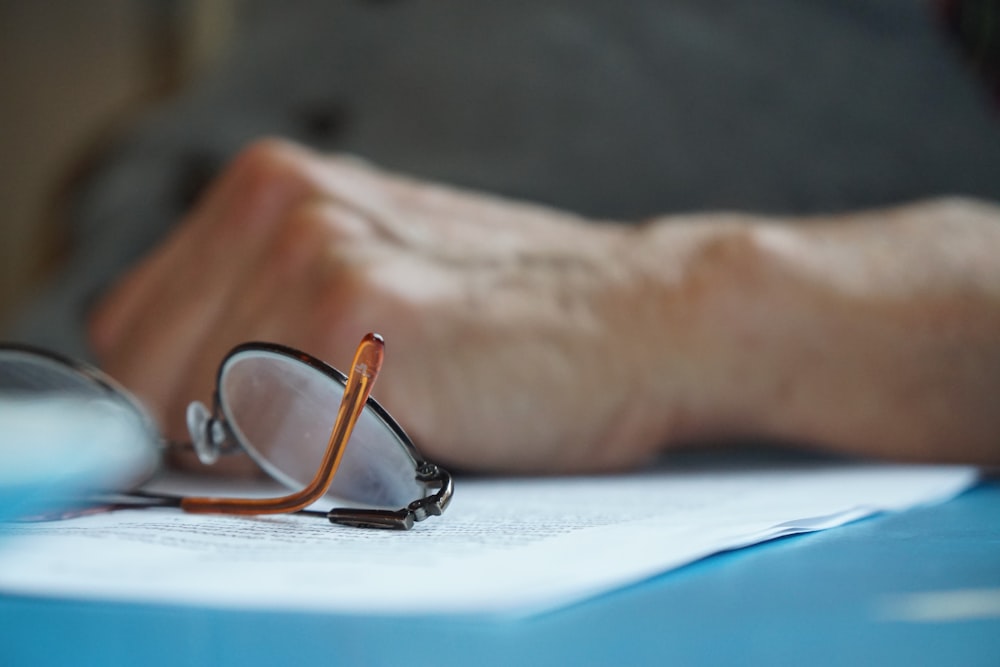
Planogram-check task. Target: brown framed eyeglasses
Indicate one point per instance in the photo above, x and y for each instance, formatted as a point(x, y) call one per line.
point(275, 404)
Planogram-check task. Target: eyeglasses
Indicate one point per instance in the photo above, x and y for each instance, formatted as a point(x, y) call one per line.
point(275, 404)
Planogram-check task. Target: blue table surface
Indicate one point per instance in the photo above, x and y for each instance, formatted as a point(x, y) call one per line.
point(816, 599)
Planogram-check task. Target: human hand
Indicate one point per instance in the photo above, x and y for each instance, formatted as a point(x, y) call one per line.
point(520, 338)
point(512, 342)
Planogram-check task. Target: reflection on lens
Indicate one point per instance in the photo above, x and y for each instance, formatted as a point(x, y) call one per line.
point(283, 411)
point(25, 372)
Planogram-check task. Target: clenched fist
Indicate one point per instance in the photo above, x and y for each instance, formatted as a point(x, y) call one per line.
point(520, 338)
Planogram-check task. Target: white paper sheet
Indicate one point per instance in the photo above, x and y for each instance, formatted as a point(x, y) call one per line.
point(513, 546)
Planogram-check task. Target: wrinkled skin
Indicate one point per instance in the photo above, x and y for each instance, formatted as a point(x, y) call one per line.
point(521, 338)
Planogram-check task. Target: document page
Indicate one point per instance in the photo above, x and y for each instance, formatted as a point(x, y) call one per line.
point(505, 546)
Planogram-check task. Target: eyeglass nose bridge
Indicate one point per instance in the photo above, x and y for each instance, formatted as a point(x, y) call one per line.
point(208, 433)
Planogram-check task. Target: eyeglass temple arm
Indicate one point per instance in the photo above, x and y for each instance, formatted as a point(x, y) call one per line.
point(364, 370)
point(404, 518)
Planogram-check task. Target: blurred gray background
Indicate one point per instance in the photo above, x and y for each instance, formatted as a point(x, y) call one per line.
point(70, 73)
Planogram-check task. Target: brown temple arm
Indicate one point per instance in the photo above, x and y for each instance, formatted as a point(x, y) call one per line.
point(364, 370)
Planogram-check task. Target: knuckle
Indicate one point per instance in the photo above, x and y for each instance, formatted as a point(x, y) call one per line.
point(269, 176)
point(318, 244)
point(264, 162)
point(269, 155)
point(336, 222)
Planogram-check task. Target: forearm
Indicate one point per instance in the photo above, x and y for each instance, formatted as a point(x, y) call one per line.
point(874, 334)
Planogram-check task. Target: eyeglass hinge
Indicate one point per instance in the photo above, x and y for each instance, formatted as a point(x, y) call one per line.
point(402, 519)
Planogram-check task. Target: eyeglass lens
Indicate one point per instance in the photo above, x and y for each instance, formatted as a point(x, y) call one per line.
point(283, 410)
